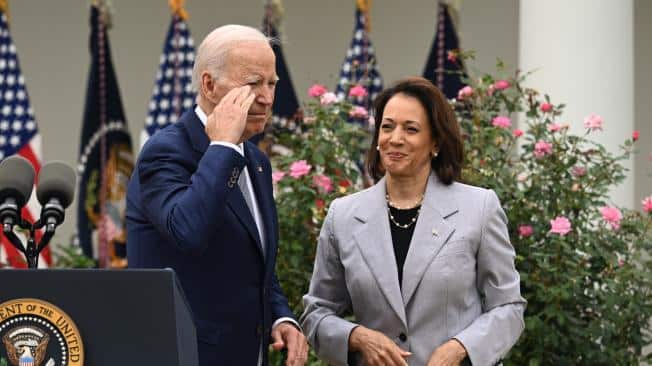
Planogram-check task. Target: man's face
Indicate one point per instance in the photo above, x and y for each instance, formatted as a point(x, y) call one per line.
point(251, 63)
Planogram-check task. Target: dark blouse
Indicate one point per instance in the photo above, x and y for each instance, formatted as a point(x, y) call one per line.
point(401, 237)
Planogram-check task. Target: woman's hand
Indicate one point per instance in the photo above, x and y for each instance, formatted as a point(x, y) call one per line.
point(450, 353)
point(376, 348)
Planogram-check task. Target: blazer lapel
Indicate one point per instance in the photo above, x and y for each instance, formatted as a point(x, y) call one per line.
point(430, 234)
point(374, 240)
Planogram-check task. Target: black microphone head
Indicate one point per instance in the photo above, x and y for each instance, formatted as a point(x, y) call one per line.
point(56, 180)
point(16, 179)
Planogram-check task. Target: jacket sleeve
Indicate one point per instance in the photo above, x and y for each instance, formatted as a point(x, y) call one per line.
point(184, 205)
point(493, 334)
point(328, 299)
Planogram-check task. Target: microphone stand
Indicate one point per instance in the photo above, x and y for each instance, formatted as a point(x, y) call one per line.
point(32, 250)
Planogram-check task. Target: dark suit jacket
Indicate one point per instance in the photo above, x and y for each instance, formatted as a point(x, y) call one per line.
point(185, 212)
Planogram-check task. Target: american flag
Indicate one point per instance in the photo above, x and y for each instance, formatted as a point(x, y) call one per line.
point(360, 67)
point(443, 67)
point(173, 92)
point(18, 135)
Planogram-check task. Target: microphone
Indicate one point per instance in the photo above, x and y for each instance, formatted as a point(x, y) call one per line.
point(16, 183)
point(55, 191)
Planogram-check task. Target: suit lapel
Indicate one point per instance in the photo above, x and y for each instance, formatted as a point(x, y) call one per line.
point(430, 234)
point(374, 240)
point(239, 206)
point(265, 205)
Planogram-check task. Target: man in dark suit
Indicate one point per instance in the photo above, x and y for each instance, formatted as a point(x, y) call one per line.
point(200, 201)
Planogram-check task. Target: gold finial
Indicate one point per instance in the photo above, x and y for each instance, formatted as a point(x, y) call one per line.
point(176, 6)
point(106, 12)
point(4, 7)
point(365, 8)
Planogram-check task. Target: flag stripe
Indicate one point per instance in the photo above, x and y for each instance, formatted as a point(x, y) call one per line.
point(18, 134)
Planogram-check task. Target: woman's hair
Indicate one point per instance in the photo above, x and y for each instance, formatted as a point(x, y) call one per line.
point(443, 126)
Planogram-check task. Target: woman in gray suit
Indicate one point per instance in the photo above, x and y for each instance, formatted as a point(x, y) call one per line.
point(423, 262)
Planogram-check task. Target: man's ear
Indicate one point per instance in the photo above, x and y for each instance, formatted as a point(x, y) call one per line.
point(207, 84)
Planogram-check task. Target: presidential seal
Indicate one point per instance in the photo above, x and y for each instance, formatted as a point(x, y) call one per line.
point(37, 333)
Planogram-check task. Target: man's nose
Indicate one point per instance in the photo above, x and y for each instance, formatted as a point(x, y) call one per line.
point(265, 96)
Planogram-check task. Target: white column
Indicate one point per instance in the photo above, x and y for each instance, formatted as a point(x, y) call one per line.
point(582, 51)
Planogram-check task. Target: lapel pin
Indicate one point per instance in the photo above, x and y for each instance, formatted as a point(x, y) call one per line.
point(260, 169)
point(435, 232)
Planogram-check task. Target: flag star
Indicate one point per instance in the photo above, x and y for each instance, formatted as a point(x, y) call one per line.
point(149, 120)
point(162, 119)
point(3, 140)
point(11, 79)
point(14, 140)
point(17, 125)
point(9, 95)
point(6, 110)
point(30, 126)
point(187, 103)
point(4, 125)
point(164, 104)
point(152, 105)
point(168, 73)
point(166, 88)
point(19, 111)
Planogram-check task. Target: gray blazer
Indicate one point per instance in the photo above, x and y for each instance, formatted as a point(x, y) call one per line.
point(459, 279)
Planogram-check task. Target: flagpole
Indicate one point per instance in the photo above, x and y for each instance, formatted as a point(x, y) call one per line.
point(102, 239)
point(178, 13)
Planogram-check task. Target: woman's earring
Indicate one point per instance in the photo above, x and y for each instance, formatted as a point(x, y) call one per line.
point(378, 147)
point(434, 154)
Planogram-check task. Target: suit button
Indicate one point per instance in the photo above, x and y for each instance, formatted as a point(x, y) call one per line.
point(402, 337)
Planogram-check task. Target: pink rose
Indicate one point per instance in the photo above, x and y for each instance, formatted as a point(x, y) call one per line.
point(490, 90)
point(317, 90)
point(501, 122)
point(465, 92)
point(358, 112)
point(647, 204)
point(299, 168)
point(542, 148)
point(502, 84)
point(277, 176)
point(593, 122)
point(578, 171)
point(635, 135)
point(525, 230)
point(358, 91)
point(545, 107)
point(560, 225)
point(328, 98)
point(517, 132)
point(323, 182)
point(554, 127)
point(612, 216)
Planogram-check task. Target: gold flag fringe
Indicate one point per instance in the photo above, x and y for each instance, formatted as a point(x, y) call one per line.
point(176, 6)
point(365, 7)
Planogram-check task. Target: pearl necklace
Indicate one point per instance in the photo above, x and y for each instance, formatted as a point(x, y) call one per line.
point(393, 219)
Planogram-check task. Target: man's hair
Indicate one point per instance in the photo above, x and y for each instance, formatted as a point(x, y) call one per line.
point(443, 126)
point(214, 49)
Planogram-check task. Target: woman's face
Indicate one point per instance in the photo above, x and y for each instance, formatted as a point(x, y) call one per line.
point(404, 139)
